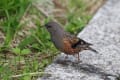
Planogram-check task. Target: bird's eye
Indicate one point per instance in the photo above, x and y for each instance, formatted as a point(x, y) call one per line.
point(49, 26)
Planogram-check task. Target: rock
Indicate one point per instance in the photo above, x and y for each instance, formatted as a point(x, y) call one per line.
point(103, 32)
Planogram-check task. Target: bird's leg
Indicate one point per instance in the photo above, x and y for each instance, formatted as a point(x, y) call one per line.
point(78, 57)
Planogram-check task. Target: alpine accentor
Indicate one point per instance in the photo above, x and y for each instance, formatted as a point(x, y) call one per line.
point(65, 42)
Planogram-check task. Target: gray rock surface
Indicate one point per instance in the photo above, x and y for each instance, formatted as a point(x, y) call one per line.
point(104, 32)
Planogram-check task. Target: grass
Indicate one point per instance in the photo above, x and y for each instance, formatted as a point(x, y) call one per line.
point(77, 17)
point(12, 11)
point(34, 52)
point(22, 59)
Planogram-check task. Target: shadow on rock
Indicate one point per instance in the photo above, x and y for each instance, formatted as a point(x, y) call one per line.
point(86, 68)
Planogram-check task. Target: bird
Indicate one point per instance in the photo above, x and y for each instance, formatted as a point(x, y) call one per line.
point(66, 42)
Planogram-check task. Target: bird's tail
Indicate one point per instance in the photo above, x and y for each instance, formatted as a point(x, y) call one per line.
point(89, 48)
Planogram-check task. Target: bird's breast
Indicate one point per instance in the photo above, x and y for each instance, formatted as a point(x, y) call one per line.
point(58, 42)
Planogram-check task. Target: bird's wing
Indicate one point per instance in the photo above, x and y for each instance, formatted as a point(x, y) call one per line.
point(75, 41)
point(72, 39)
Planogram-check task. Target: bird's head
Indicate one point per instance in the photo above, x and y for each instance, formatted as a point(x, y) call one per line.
point(53, 27)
